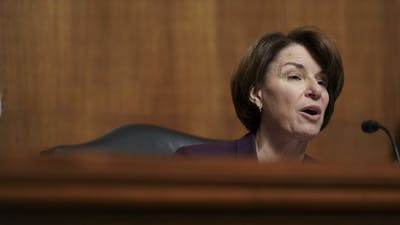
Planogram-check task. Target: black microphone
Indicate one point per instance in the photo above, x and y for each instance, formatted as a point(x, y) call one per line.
point(370, 126)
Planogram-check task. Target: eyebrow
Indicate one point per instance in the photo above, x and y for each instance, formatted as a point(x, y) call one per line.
point(301, 66)
point(297, 65)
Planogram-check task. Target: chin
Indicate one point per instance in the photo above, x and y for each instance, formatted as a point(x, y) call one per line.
point(308, 133)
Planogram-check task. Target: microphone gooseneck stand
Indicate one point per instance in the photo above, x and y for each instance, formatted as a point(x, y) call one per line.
point(370, 126)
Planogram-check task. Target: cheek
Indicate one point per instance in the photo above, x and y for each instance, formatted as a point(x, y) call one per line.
point(278, 98)
point(325, 98)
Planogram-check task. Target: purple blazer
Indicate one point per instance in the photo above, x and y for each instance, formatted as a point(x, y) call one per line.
point(243, 147)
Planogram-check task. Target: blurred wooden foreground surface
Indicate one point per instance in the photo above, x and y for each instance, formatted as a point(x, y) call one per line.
point(106, 189)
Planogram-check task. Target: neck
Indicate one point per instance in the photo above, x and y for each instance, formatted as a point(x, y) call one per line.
point(273, 146)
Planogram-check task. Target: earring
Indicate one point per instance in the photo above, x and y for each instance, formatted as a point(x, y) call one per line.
point(260, 108)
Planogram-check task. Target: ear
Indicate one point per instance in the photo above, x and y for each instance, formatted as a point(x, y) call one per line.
point(255, 97)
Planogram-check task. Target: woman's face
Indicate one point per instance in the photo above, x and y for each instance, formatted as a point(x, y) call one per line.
point(294, 95)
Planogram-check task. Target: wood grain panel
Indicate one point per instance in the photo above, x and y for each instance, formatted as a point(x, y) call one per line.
point(105, 189)
point(72, 69)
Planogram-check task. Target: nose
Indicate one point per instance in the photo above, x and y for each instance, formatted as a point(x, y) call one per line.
point(314, 90)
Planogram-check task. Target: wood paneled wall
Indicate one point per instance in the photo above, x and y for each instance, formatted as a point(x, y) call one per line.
point(73, 69)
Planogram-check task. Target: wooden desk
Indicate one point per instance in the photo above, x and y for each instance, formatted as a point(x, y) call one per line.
point(107, 189)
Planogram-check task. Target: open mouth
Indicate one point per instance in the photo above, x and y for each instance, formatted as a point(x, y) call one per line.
point(312, 110)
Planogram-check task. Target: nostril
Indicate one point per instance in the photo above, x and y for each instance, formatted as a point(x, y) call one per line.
point(314, 94)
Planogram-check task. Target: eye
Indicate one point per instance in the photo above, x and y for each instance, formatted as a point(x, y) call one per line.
point(294, 76)
point(323, 83)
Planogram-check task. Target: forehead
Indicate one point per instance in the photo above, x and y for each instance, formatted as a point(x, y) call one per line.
point(296, 54)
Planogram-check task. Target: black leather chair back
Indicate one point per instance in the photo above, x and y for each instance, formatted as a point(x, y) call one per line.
point(134, 138)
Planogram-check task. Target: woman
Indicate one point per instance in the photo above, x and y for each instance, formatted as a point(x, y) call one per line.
point(284, 92)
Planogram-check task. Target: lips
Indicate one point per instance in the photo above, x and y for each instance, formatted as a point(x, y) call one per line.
point(311, 112)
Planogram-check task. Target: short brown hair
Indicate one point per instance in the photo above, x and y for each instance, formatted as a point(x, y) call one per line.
point(254, 65)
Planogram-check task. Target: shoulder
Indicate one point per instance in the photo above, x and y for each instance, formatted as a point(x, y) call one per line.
point(309, 159)
point(242, 146)
point(220, 147)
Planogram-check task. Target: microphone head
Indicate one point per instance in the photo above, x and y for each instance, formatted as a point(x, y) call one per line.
point(370, 126)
